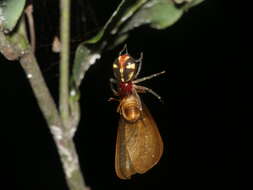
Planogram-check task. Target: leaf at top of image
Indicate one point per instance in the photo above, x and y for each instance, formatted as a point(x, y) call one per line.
point(159, 14)
point(10, 12)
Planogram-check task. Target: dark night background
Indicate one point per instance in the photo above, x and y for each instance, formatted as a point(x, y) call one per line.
point(197, 120)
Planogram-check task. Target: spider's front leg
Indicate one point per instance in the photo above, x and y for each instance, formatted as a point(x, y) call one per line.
point(115, 92)
point(148, 77)
point(113, 82)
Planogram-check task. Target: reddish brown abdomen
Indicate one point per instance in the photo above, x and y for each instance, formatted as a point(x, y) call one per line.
point(130, 109)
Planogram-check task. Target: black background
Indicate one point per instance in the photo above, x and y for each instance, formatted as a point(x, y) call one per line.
point(197, 121)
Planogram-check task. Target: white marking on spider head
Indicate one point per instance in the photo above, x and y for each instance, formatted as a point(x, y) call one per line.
point(130, 66)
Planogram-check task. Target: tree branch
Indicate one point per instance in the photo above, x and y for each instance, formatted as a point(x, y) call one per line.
point(16, 47)
point(64, 142)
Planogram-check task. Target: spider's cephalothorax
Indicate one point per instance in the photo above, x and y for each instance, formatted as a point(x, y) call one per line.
point(126, 70)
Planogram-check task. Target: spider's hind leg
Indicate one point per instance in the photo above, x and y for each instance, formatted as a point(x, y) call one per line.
point(143, 89)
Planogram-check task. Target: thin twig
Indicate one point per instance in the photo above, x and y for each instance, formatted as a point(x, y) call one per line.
point(72, 169)
point(29, 14)
point(64, 61)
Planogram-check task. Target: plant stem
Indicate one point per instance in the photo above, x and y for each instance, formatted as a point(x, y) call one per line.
point(42, 94)
point(29, 14)
point(64, 61)
point(63, 138)
point(63, 141)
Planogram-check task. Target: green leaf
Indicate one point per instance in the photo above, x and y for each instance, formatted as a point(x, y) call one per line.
point(195, 2)
point(127, 11)
point(163, 15)
point(192, 3)
point(10, 12)
point(159, 14)
point(15, 44)
point(84, 58)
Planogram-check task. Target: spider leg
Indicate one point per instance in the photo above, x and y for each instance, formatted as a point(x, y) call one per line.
point(148, 77)
point(135, 92)
point(140, 65)
point(113, 81)
point(113, 99)
point(124, 50)
point(143, 89)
